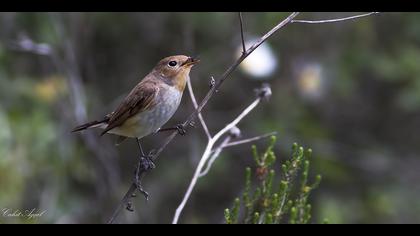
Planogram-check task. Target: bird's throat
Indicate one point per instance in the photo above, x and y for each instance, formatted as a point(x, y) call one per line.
point(181, 80)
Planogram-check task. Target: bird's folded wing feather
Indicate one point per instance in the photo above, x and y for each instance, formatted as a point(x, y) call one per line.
point(141, 98)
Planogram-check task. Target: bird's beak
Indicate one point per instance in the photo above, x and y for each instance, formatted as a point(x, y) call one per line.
point(191, 61)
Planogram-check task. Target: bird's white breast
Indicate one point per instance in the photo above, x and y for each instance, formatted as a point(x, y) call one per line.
point(149, 121)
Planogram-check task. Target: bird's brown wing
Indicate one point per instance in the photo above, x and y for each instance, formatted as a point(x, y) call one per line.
point(141, 98)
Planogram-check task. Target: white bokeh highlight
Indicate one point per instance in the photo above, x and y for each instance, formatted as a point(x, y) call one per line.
point(259, 64)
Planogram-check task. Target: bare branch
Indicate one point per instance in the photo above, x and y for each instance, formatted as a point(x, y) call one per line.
point(216, 153)
point(189, 45)
point(206, 156)
point(269, 34)
point(226, 143)
point(200, 116)
point(334, 20)
point(242, 33)
point(131, 191)
point(248, 140)
point(226, 74)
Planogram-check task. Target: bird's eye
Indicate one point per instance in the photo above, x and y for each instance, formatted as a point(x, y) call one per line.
point(172, 63)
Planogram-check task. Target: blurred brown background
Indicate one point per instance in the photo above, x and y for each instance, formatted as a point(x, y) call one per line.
point(348, 90)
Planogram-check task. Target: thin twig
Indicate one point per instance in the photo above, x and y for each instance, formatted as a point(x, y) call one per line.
point(242, 33)
point(200, 116)
point(334, 20)
point(226, 143)
point(214, 156)
point(248, 140)
point(189, 46)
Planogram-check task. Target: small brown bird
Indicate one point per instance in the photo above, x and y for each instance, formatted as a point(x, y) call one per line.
point(151, 103)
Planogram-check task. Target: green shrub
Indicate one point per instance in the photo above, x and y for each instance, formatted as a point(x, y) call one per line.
point(265, 204)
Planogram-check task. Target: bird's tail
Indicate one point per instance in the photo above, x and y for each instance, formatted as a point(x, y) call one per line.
point(92, 124)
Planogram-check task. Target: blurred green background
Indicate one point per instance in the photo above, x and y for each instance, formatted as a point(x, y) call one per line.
point(348, 90)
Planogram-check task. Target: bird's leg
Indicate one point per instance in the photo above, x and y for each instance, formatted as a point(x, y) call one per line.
point(140, 148)
point(145, 164)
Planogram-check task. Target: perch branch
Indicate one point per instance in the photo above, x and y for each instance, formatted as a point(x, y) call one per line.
point(126, 199)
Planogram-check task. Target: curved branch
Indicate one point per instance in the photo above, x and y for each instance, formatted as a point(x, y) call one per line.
point(334, 20)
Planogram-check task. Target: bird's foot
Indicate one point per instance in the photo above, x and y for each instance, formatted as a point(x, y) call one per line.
point(145, 164)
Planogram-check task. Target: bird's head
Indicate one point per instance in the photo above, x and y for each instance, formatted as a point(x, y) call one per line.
point(175, 69)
